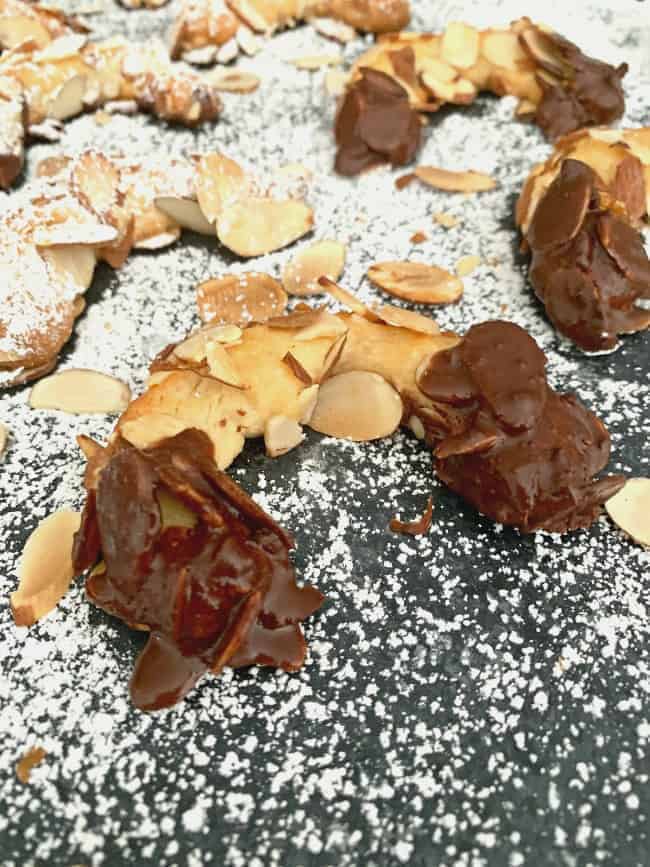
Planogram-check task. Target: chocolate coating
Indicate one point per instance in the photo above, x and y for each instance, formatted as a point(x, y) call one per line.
point(589, 266)
point(215, 590)
point(375, 124)
point(589, 92)
point(518, 451)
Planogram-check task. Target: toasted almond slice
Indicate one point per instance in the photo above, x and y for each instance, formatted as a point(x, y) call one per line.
point(76, 263)
point(417, 427)
point(80, 391)
point(297, 368)
point(630, 510)
point(467, 264)
point(204, 56)
point(419, 238)
point(220, 181)
point(332, 28)
point(357, 405)
point(282, 434)
point(192, 349)
point(62, 48)
point(46, 568)
point(446, 220)
point(307, 403)
point(502, 48)
point(336, 80)
point(256, 226)
point(220, 364)
point(228, 51)
point(316, 61)
point(235, 81)
point(417, 282)
point(68, 100)
point(4, 436)
point(460, 45)
point(69, 233)
point(455, 182)
point(434, 68)
point(325, 325)
point(241, 298)
point(160, 241)
point(186, 212)
point(460, 92)
point(343, 296)
point(322, 259)
point(24, 767)
point(16, 30)
point(148, 430)
point(333, 356)
point(249, 43)
point(227, 334)
point(400, 318)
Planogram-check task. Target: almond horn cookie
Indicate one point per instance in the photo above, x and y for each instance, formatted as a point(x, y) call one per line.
point(214, 30)
point(179, 550)
point(557, 86)
point(502, 438)
point(92, 208)
point(70, 75)
point(579, 214)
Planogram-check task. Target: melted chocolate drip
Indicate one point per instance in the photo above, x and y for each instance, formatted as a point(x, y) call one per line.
point(219, 592)
point(589, 266)
point(517, 450)
point(375, 124)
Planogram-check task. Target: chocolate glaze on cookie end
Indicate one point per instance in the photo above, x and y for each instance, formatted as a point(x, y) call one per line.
point(589, 266)
point(505, 441)
point(184, 553)
point(375, 124)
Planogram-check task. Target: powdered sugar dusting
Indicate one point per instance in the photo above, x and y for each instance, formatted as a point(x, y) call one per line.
point(472, 696)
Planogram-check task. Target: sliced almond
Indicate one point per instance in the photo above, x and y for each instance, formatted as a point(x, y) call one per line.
point(186, 212)
point(4, 436)
point(415, 528)
point(455, 182)
point(316, 61)
point(322, 259)
point(400, 318)
point(460, 45)
point(307, 403)
point(220, 364)
point(460, 92)
point(630, 510)
point(343, 296)
point(256, 226)
point(282, 434)
point(79, 392)
point(438, 69)
point(502, 48)
point(235, 81)
point(204, 56)
point(332, 28)
point(75, 263)
point(467, 264)
point(69, 233)
point(68, 100)
point(220, 181)
point(241, 298)
point(192, 349)
point(416, 282)
point(358, 405)
point(336, 81)
point(62, 48)
point(160, 241)
point(249, 43)
point(46, 568)
point(448, 221)
point(324, 325)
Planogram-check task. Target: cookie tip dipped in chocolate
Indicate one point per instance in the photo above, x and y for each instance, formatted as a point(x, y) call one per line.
point(518, 451)
point(589, 266)
point(375, 124)
point(179, 550)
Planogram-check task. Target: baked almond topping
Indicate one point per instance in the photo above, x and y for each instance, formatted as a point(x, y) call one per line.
point(416, 282)
point(45, 570)
point(322, 259)
point(80, 391)
point(357, 405)
point(281, 435)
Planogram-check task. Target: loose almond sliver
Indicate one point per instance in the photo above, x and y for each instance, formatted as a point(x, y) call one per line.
point(235, 81)
point(282, 434)
point(34, 756)
point(91, 234)
point(446, 220)
point(400, 318)
point(357, 405)
point(220, 364)
point(467, 264)
point(80, 391)
point(46, 568)
point(630, 510)
point(416, 282)
point(256, 226)
point(220, 181)
point(241, 298)
point(4, 436)
point(322, 259)
point(316, 61)
point(415, 528)
point(455, 182)
point(331, 28)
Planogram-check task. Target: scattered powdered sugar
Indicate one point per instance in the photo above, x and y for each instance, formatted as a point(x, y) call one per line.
point(472, 696)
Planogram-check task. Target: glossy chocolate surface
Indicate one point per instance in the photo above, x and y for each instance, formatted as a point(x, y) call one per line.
point(376, 124)
point(589, 266)
point(214, 584)
point(518, 451)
